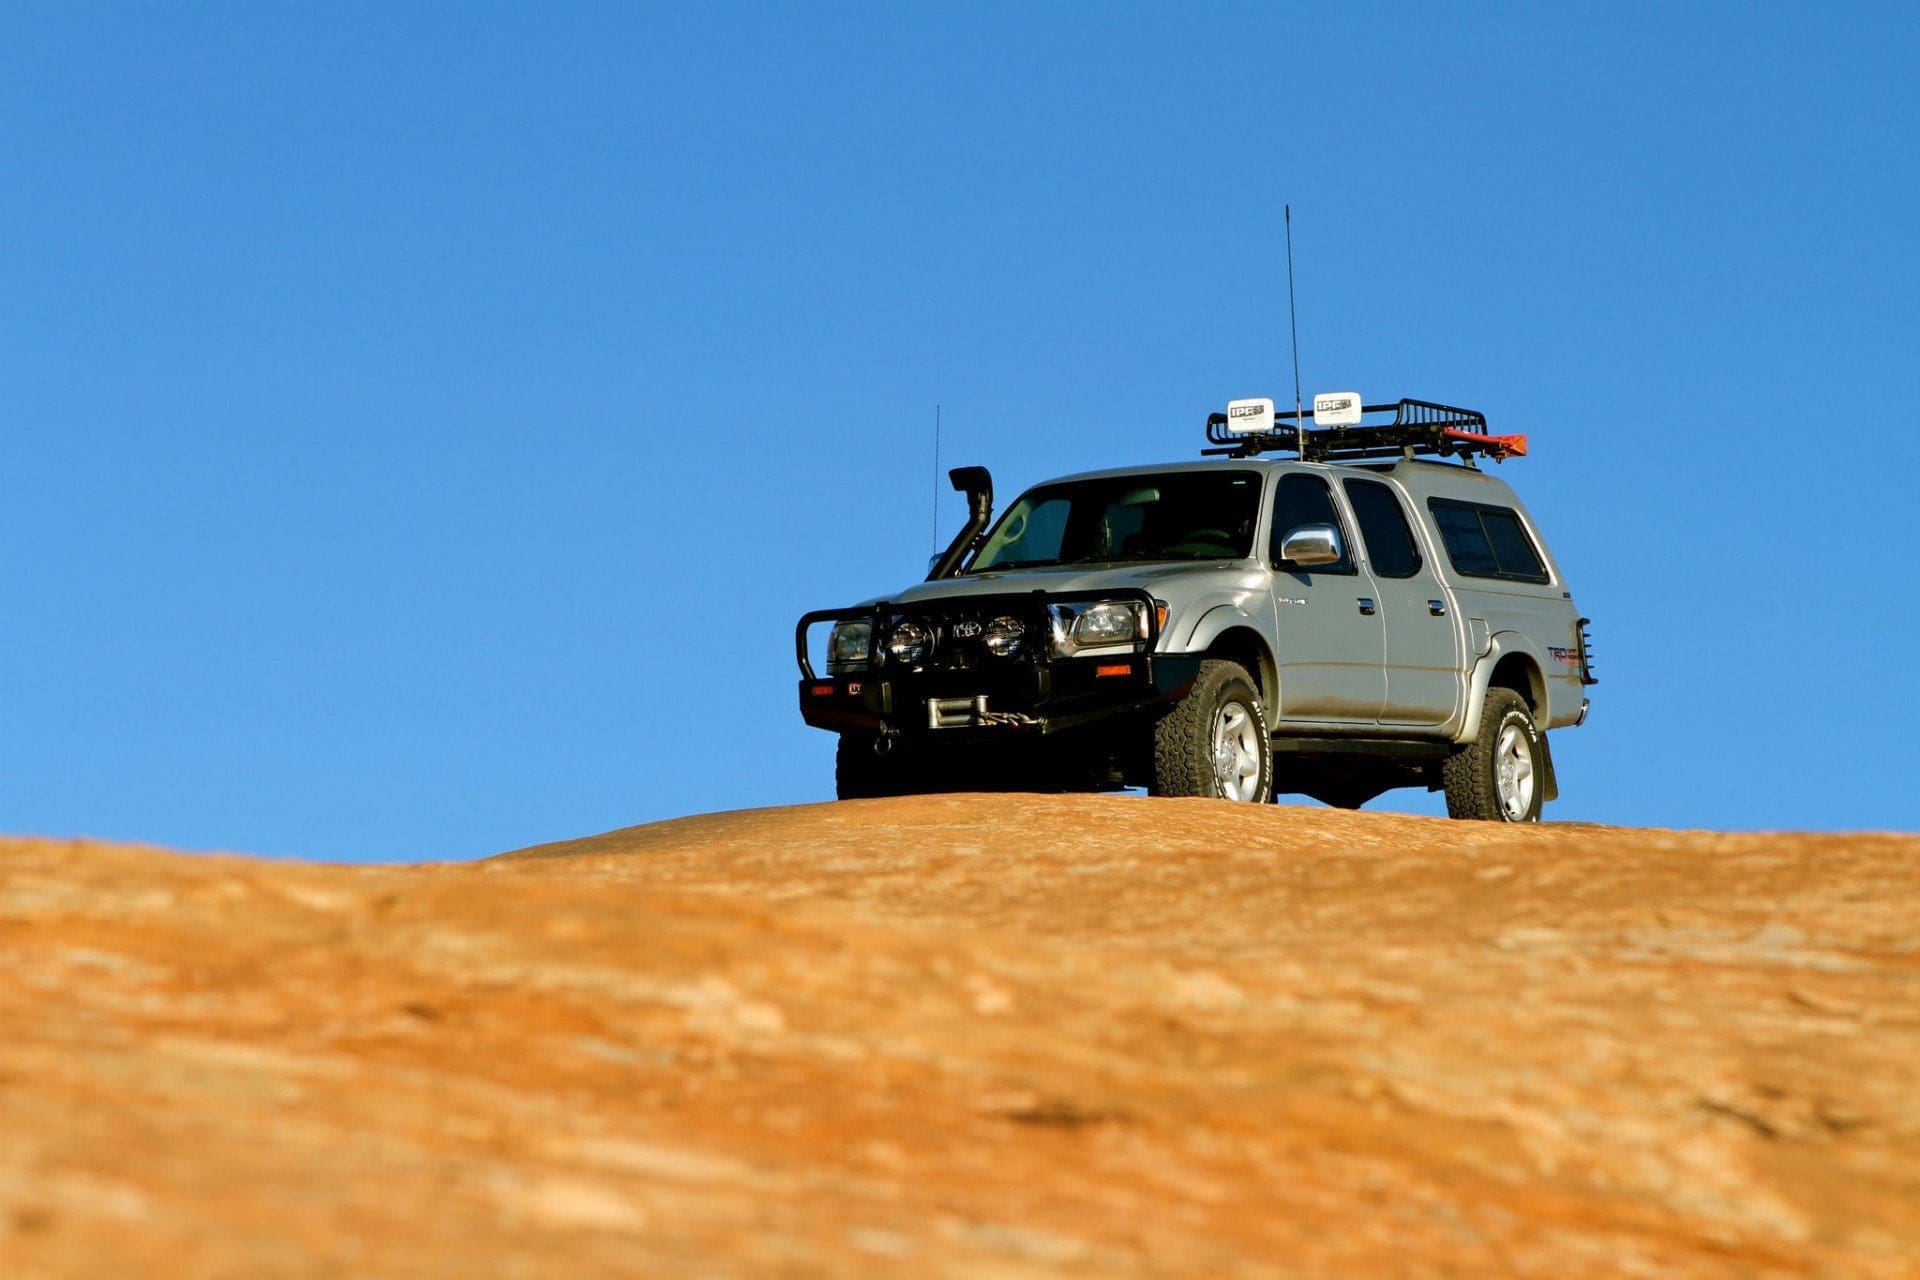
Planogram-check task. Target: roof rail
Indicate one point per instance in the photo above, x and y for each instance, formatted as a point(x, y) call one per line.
point(1419, 427)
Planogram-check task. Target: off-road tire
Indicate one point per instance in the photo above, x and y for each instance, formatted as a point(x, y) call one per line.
point(1183, 746)
point(1471, 774)
point(859, 773)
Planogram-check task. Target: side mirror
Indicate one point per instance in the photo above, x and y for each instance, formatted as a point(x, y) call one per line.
point(1312, 544)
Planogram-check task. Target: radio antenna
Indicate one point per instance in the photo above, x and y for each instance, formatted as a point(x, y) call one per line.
point(1293, 322)
point(936, 480)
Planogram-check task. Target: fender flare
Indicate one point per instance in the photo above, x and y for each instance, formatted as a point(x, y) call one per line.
point(1216, 620)
point(1211, 622)
point(1501, 644)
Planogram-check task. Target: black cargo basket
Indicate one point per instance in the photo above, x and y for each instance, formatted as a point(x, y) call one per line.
point(1417, 428)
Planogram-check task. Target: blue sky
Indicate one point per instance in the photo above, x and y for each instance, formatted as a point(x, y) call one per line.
point(421, 425)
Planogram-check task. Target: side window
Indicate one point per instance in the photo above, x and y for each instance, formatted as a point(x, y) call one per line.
point(1391, 550)
point(1486, 542)
point(1302, 499)
point(1465, 540)
point(1511, 546)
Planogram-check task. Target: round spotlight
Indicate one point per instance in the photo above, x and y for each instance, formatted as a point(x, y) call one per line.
point(908, 642)
point(1004, 636)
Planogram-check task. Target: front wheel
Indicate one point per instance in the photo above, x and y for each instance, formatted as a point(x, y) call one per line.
point(862, 773)
point(1500, 776)
point(1215, 742)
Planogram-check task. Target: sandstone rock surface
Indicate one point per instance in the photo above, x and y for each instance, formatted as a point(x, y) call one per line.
point(1011, 1036)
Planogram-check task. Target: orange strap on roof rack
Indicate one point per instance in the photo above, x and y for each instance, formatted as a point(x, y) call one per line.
point(1498, 446)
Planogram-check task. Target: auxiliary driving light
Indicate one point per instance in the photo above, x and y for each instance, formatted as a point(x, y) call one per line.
point(908, 643)
point(1004, 636)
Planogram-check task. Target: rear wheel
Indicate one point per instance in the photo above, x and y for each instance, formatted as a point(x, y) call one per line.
point(1500, 776)
point(1215, 742)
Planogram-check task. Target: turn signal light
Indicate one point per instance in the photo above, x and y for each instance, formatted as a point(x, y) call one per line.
point(1114, 669)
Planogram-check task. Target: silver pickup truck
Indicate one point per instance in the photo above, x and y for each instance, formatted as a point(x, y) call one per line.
point(1373, 612)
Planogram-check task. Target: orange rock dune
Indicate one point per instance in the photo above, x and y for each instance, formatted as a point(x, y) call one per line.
point(974, 1037)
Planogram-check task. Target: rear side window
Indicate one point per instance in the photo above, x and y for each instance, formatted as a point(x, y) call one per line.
point(1301, 500)
point(1383, 527)
point(1486, 542)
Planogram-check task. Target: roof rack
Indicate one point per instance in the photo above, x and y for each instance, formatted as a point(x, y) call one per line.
point(1419, 427)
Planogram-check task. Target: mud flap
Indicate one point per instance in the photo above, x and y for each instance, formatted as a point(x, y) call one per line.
point(1550, 786)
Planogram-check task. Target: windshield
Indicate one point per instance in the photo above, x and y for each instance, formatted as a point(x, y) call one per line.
point(1180, 515)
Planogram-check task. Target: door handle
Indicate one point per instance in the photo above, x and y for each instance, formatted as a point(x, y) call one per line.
point(1366, 605)
point(1438, 608)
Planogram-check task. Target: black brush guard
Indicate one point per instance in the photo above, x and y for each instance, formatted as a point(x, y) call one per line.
point(1035, 691)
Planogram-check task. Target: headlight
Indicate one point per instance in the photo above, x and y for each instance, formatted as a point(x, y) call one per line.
point(908, 642)
point(1004, 635)
point(847, 648)
point(1099, 626)
point(1104, 624)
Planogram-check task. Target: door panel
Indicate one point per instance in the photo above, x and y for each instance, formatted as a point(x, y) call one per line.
point(1331, 644)
point(1423, 646)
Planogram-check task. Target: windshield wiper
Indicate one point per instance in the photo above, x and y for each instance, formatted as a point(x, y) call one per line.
point(1000, 566)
